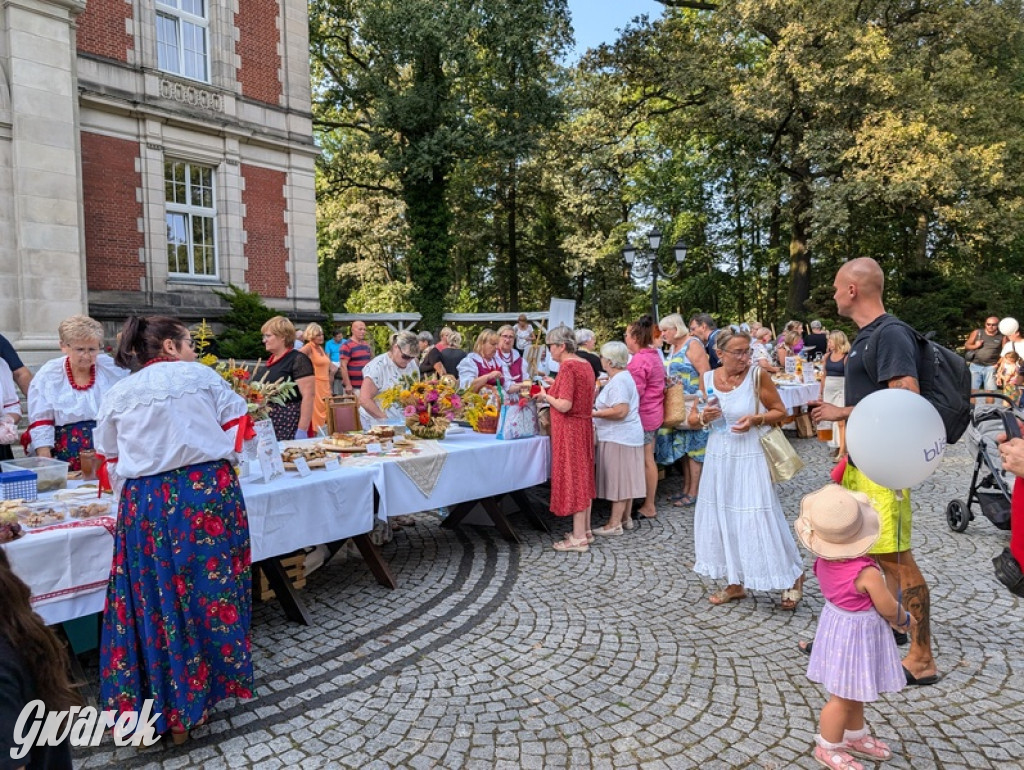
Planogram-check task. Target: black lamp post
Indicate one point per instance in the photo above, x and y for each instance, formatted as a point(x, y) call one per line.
point(644, 264)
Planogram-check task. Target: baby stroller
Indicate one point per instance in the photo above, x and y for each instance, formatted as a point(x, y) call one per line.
point(991, 486)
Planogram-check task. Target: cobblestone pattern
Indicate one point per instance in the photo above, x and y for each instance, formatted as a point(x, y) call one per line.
point(491, 655)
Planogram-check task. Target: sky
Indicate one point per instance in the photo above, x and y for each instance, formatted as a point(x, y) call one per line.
point(596, 21)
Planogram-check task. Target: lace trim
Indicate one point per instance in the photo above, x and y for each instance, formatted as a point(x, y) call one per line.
point(159, 383)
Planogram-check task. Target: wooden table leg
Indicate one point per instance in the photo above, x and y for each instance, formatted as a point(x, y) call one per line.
point(294, 608)
point(457, 514)
point(493, 507)
point(375, 561)
point(526, 508)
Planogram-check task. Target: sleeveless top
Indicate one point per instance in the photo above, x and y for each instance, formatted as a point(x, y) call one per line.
point(990, 350)
point(836, 579)
point(835, 368)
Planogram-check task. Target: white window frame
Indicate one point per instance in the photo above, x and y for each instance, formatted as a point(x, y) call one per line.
point(190, 211)
point(171, 10)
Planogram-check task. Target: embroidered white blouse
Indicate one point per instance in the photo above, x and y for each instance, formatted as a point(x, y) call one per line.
point(168, 415)
point(52, 400)
point(474, 364)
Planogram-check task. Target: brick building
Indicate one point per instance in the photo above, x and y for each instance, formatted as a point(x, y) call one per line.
point(152, 151)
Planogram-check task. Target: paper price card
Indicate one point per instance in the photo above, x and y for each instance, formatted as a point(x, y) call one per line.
point(302, 466)
point(332, 464)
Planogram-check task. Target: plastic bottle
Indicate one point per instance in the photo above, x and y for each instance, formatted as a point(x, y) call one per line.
point(713, 402)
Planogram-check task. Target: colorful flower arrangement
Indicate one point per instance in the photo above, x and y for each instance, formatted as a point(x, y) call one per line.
point(429, 405)
point(259, 395)
point(481, 411)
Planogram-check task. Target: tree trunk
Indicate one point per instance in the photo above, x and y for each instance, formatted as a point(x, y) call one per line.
point(741, 282)
point(429, 228)
point(921, 240)
point(774, 251)
point(799, 254)
point(513, 252)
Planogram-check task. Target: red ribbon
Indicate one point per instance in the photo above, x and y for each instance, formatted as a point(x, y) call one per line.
point(26, 437)
point(244, 430)
point(103, 475)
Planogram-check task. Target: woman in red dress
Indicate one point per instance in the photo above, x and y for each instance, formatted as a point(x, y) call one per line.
point(571, 397)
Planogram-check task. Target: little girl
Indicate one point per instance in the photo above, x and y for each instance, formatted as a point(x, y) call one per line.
point(1007, 371)
point(854, 654)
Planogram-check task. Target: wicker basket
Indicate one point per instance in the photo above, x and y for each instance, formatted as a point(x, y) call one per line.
point(486, 425)
point(434, 430)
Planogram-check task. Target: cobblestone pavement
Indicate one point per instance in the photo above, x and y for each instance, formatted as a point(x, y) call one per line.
point(491, 655)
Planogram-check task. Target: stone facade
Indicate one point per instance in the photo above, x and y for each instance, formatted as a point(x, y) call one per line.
point(138, 176)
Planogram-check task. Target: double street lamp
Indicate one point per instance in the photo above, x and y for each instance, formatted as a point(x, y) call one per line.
point(644, 264)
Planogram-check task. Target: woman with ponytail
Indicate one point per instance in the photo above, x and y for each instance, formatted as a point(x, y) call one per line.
point(176, 623)
point(33, 666)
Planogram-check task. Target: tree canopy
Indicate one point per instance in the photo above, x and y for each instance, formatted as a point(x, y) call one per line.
point(468, 165)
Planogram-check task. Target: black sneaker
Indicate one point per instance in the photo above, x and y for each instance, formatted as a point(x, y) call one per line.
point(1008, 572)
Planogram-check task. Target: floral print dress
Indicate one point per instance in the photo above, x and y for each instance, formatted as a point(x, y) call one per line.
point(673, 444)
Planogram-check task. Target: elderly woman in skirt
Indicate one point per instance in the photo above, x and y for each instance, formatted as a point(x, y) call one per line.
point(620, 440)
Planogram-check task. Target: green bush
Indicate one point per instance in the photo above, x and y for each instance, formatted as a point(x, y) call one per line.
point(242, 338)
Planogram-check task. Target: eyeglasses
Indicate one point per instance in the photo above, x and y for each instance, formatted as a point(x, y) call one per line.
point(405, 357)
point(86, 351)
point(988, 324)
point(740, 353)
point(508, 336)
point(190, 342)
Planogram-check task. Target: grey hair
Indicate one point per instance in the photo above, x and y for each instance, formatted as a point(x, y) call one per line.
point(562, 335)
point(583, 336)
point(815, 324)
point(425, 337)
point(727, 335)
point(407, 343)
point(704, 319)
point(454, 339)
point(674, 321)
point(616, 353)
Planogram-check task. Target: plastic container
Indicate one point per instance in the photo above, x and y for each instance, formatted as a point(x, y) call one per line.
point(87, 508)
point(51, 474)
point(18, 485)
point(43, 513)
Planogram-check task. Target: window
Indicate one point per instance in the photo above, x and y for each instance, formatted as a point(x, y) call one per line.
point(191, 240)
point(181, 38)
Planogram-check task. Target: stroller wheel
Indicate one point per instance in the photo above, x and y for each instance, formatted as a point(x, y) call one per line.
point(957, 515)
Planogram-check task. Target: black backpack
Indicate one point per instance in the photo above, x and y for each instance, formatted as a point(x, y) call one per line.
point(942, 375)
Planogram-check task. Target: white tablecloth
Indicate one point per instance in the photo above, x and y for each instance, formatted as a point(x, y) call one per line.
point(797, 395)
point(67, 567)
point(477, 466)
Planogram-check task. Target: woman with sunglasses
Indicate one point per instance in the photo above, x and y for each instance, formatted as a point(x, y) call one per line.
point(293, 418)
point(384, 371)
point(740, 533)
point(176, 622)
point(66, 393)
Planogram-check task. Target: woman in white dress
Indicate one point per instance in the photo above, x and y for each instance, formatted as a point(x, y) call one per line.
point(384, 371)
point(740, 531)
point(66, 393)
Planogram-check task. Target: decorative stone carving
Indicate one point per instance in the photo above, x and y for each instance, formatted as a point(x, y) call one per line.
point(192, 95)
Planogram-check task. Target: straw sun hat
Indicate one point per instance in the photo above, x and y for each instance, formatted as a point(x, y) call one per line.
point(835, 523)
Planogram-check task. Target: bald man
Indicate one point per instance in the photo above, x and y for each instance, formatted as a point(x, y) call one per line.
point(858, 294)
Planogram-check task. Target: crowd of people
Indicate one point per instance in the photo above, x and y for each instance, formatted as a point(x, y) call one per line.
point(164, 430)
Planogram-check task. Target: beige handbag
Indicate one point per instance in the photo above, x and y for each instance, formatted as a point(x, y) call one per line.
point(783, 461)
point(675, 406)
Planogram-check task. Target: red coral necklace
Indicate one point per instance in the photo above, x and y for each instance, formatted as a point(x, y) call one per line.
point(159, 359)
point(71, 376)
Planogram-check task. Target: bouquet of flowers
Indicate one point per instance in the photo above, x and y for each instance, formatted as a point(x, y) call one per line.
point(430, 405)
point(259, 395)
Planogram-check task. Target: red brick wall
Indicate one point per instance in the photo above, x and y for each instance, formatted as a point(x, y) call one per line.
point(112, 213)
point(101, 29)
point(258, 37)
point(266, 230)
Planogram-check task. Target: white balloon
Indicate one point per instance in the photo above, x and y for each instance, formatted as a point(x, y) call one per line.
point(896, 438)
point(1008, 326)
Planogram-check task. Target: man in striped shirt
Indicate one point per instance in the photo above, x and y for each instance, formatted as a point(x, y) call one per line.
point(355, 354)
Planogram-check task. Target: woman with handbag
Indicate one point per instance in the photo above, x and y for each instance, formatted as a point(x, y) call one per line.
point(740, 531)
point(686, 364)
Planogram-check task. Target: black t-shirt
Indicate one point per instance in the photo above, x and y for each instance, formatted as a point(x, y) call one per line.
point(9, 354)
point(432, 357)
point(816, 340)
point(594, 361)
point(16, 689)
point(293, 366)
point(451, 358)
point(896, 355)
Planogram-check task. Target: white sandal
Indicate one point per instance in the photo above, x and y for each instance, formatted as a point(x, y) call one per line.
point(834, 759)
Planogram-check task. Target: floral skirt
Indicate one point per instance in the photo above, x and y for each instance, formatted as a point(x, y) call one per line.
point(671, 445)
point(179, 604)
point(70, 439)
